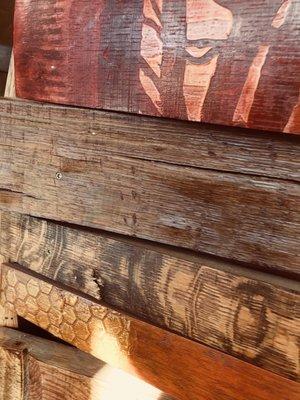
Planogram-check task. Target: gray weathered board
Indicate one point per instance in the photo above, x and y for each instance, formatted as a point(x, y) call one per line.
point(58, 163)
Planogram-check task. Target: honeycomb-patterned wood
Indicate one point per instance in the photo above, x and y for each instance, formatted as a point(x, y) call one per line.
point(64, 314)
point(177, 366)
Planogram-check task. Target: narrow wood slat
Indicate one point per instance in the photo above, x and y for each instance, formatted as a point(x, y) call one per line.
point(87, 134)
point(251, 315)
point(176, 365)
point(10, 89)
point(246, 218)
point(56, 371)
point(225, 61)
point(11, 374)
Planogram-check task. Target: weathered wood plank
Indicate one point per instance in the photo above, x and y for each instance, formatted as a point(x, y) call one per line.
point(108, 384)
point(57, 371)
point(243, 313)
point(174, 364)
point(10, 89)
point(88, 134)
point(227, 62)
point(246, 218)
point(11, 375)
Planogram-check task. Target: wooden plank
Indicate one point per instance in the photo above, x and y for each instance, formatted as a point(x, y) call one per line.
point(59, 371)
point(87, 134)
point(10, 89)
point(246, 218)
point(11, 375)
point(174, 364)
point(51, 353)
point(227, 62)
point(108, 384)
point(250, 315)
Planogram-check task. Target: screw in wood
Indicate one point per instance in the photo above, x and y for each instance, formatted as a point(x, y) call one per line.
point(58, 175)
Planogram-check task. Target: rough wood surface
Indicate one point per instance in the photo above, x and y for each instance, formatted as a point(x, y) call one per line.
point(251, 315)
point(11, 374)
point(174, 364)
point(226, 61)
point(55, 371)
point(10, 88)
point(242, 217)
point(108, 384)
point(8, 318)
point(88, 134)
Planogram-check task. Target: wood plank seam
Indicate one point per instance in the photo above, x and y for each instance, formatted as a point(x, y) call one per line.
point(257, 218)
point(219, 304)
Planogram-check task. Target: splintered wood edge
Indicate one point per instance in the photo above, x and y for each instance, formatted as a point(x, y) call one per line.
point(10, 88)
point(135, 346)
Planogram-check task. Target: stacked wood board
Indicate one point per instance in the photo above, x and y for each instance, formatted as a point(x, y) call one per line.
point(165, 251)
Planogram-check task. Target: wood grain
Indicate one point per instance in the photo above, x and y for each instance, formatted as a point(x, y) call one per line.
point(174, 364)
point(88, 134)
point(11, 374)
point(245, 218)
point(226, 61)
point(10, 89)
point(55, 371)
point(243, 313)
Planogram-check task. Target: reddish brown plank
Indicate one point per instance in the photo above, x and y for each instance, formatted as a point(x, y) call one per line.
point(174, 364)
point(226, 61)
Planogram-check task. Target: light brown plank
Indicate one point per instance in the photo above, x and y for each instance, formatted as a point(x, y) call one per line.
point(55, 371)
point(175, 365)
point(11, 375)
point(246, 218)
point(87, 134)
point(251, 315)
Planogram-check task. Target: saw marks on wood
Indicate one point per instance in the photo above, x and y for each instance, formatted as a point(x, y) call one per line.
point(224, 61)
point(156, 356)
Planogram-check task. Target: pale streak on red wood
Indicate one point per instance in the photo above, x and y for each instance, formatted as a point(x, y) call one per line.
point(196, 85)
point(201, 24)
point(201, 20)
point(151, 51)
point(280, 17)
point(243, 108)
point(293, 125)
point(149, 12)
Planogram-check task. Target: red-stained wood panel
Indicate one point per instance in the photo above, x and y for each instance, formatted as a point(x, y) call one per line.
point(233, 62)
